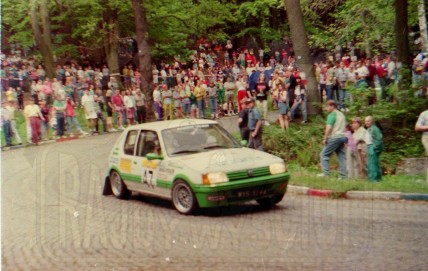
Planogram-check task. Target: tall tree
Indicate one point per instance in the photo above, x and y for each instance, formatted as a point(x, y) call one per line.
point(40, 23)
point(301, 48)
point(402, 41)
point(144, 51)
point(423, 25)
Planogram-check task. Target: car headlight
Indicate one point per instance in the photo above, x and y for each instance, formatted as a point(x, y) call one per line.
point(215, 177)
point(277, 168)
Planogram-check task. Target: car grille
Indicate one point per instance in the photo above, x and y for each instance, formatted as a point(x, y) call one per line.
point(248, 173)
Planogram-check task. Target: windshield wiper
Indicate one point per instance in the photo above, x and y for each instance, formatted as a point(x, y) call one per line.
point(214, 146)
point(186, 151)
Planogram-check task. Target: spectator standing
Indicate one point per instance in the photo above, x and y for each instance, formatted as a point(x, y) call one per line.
point(100, 115)
point(282, 107)
point(300, 101)
point(178, 104)
point(60, 106)
point(377, 139)
point(422, 126)
point(262, 92)
point(12, 107)
point(212, 98)
point(255, 124)
point(330, 80)
point(5, 122)
point(140, 102)
point(71, 116)
point(167, 102)
point(110, 109)
point(130, 106)
point(117, 102)
point(200, 94)
point(185, 93)
point(33, 115)
point(230, 93)
point(157, 100)
point(90, 113)
point(243, 121)
point(45, 109)
point(334, 140)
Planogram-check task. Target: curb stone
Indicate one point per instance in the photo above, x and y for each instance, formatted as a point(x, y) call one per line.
point(414, 196)
point(365, 195)
point(297, 190)
point(373, 195)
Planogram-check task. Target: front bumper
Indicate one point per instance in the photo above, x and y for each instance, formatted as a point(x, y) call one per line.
point(240, 191)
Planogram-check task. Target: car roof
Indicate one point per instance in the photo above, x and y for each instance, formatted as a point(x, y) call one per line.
point(168, 124)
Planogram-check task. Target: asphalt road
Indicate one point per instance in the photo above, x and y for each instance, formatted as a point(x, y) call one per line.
point(54, 218)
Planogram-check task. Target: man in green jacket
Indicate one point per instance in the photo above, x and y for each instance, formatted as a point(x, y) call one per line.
point(377, 138)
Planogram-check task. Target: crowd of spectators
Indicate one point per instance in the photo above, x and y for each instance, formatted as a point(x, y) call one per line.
point(217, 81)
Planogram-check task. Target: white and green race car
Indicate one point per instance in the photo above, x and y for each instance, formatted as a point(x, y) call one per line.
point(195, 164)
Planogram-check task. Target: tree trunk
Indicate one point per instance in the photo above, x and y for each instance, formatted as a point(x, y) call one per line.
point(43, 37)
point(423, 25)
point(402, 42)
point(364, 17)
point(303, 56)
point(144, 53)
point(111, 44)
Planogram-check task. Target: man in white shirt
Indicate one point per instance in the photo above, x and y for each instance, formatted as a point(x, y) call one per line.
point(88, 104)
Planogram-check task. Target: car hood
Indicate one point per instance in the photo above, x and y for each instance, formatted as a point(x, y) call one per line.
point(226, 160)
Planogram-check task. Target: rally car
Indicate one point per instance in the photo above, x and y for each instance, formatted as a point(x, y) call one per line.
point(195, 164)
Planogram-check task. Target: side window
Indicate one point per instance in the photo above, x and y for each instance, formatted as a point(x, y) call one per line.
point(148, 142)
point(131, 140)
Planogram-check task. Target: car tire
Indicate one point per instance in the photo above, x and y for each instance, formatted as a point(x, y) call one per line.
point(118, 187)
point(271, 201)
point(183, 198)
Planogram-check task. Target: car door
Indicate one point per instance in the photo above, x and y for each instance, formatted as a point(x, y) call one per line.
point(148, 142)
point(127, 158)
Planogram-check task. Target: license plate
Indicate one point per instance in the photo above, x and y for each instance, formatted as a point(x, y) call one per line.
point(251, 193)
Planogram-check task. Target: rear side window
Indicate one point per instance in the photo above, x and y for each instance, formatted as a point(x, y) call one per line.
point(131, 139)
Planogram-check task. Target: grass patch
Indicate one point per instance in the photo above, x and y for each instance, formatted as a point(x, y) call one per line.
point(396, 183)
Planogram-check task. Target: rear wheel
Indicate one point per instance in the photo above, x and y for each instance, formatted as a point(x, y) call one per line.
point(118, 187)
point(271, 201)
point(183, 198)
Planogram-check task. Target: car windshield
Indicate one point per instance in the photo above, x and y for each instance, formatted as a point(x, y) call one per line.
point(197, 138)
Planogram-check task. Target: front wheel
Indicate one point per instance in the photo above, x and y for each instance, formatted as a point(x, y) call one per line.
point(118, 187)
point(269, 202)
point(183, 198)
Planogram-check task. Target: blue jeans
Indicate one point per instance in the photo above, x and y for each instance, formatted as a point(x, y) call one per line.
point(186, 108)
point(201, 108)
point(343, 96)
point(7, 132)
point(73, 120)
point(336, 145)
point(297, 106)
point(213, 105)
point(45, 129)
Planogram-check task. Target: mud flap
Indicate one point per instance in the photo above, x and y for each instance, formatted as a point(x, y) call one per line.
point(107, 187)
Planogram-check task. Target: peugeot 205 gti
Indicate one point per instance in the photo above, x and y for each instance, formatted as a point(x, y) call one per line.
point(195, 164)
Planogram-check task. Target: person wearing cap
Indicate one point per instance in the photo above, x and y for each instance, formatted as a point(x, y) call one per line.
point(334, 140)
point(255, 124)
